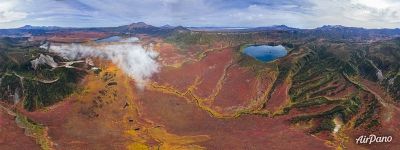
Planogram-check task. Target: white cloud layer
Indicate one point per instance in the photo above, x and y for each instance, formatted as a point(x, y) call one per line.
point(139, 63)
point(250, 13)
point(7, 12)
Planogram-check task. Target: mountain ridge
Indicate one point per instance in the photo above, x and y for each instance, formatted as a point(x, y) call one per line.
point(145, 25)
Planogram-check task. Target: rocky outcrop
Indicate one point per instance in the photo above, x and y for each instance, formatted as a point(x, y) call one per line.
point(43, 59)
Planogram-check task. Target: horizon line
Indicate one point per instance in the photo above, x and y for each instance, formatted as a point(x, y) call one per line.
point(208, 26)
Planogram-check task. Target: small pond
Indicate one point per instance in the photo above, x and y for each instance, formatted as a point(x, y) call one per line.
point(118, 39)
point(109, 39)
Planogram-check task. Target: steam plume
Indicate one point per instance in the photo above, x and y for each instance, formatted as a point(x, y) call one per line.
point(139, 63)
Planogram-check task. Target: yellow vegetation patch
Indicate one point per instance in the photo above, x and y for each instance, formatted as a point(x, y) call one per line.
point(254, 107)
point(36, 131)
point(167, 140)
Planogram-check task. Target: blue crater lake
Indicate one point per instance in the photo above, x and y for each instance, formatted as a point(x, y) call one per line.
point(265, 53)
point(109, 39)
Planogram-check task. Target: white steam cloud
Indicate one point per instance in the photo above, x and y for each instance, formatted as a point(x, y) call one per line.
point(139, 63)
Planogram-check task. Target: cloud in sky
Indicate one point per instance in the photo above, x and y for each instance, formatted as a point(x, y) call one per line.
point(8, 12)
point(249, 13)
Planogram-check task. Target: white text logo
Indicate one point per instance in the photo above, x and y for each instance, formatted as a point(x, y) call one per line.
point(373, 139)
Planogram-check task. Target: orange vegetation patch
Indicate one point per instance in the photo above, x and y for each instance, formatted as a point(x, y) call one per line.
point(216, 82)
point(279, 97)
point(389, 119)
point(95, 118)
point(376, 89)
point(55, 115)
point(213, 70)
point(311, 110)
point(104, 115)
point(185, 118)
point(68, 37)
point(181, 78)
point(343, 89)
point(12, 137)
point(238, 89)
point(169, 55)
point(388, 128)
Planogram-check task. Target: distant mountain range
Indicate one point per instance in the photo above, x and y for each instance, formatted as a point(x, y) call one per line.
point(328, 31)
point(29, 27)
point(141, 25)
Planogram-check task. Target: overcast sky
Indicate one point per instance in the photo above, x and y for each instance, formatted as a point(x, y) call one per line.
point(227, 13)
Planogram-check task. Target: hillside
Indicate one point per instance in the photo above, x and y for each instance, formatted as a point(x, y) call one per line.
point(144, 87)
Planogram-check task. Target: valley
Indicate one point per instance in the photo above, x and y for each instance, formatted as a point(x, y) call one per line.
point(195, 89)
